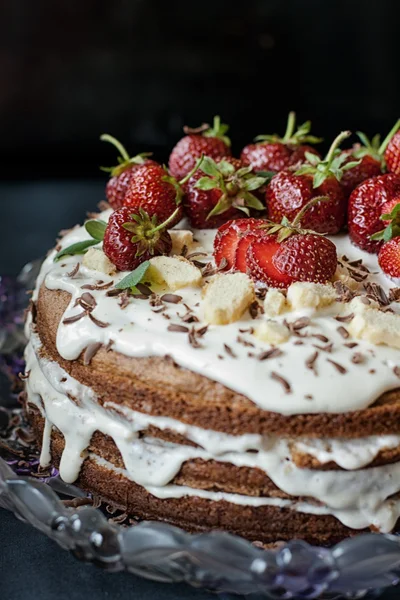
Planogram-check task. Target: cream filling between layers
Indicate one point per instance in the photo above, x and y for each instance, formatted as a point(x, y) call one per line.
point(139, 332)
point(357, 498)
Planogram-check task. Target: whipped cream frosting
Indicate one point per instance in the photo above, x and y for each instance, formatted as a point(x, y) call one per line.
point(138, 331)
point(358, 498)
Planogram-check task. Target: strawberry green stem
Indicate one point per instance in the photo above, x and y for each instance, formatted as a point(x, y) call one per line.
point(335, 144)
point(389, 136)
point(291, 124)
point(106, 137)
point(165, 223)
point(296, 221)
point(193, 171)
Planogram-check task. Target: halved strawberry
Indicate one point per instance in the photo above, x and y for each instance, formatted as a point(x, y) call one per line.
point(307, 257)
point(389, 258)
point(228, 237)
point(260, 261)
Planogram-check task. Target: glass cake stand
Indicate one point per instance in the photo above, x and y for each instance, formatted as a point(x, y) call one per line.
point(357, 567)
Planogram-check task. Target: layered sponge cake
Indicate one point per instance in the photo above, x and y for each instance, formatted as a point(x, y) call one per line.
point(204, 399)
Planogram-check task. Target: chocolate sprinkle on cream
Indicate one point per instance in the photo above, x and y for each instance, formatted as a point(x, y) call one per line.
point(100, 286)
point(97, 321)
point(376, 292)
point(254, 309)
point(345, 318)
point(24, 376)
point(173, 298)
point(87, 301)
point(74, 271)
point(282, 381)
point(320, 337)
point(357, 358)
point(229, 351)
point(272, 353)
point(113, 292)
point(124, 299)
point(90, 351)
point(299, 324)
point(327, 348)
point(178, 328)
point(394, 294)
point(74, 319)
point(144, 289)
point(310, 362)
point(351, 344)
point(343, 332)
point(396, 371)
point(337, 366)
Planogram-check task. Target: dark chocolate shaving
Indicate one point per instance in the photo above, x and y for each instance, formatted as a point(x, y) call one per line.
point(351, 344)
point(394, 294)
point(286, 385)
point(327, 348)
point(99, 286)
point(340, 369)
point(345, 318)
point(74, 319)
point(377, 293)
point(357, 358)
point(229, 351)
point(114, 292)
point(310, 362)
point(343, 332)
point(177, 328)
point(90, 351)
point(74, 271)
point(396, 371)
point(144, 289)
point(320, 337)
point(97, 321)
point(254, 309)
point(271, 353)
point(173, 298)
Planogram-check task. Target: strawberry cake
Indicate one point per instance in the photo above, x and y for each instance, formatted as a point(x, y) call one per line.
point(201, 353)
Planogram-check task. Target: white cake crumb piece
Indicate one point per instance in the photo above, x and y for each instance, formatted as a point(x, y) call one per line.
point(96, 260)
point(180, 238)
point(272, 332)
point(304, 294)
point(227, 297)
point(274, 302)
point(175, 271)
point(376, 327)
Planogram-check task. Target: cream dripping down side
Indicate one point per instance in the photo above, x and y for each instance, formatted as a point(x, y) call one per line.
point(137, 331)
point(358, 498)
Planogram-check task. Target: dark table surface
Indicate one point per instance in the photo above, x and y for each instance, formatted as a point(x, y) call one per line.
point(31, 566)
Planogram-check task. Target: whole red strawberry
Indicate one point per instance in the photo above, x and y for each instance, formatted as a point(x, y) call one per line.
point(290, 254)
point(289, 191)
point(273, 153)
point(153, 190)
point(210, 141)
point(392, 152)
point(365, 209)
point(389, 259)
point(229, 236)
point(370, 154)
point(121, 175)
point(221, 190)
point(132, 236)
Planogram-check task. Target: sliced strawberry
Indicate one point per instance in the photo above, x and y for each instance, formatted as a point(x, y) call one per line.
point(307, 257)
point(389, 258)
point(388, 207)
point(228, 237)
point(244, 241)
point(260, 255)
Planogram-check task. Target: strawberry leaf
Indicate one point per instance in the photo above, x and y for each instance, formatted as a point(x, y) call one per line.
point(96, 228)
point(253, 183)
point(225, 168)
point(134, 277)
point(209, 167)
point(205, 183)
point(78, 248)
point(252, 201)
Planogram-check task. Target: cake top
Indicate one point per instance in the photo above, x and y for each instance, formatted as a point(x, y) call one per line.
point(297, 321)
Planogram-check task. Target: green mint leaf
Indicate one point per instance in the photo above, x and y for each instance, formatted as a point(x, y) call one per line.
point(96, 228)
point(134, 277)
point(78, 248)
point(205, 183)
point(209, 167)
